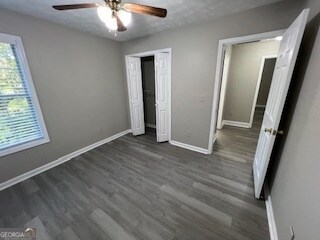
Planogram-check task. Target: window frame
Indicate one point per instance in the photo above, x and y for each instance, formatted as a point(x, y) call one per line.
point(17, 42)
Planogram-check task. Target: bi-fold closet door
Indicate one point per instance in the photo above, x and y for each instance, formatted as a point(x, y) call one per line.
point(135, 95)
point(162, 75)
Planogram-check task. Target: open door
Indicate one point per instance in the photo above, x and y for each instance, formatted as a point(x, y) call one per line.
point(162, 70)
point(288, 52)
point(135, 95)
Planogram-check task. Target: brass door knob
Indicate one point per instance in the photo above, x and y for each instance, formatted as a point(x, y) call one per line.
point(269, 130)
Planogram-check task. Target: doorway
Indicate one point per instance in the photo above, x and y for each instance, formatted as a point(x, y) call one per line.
point(222, 68)
point(149, 95)
point(245, 82)
point(246, 78)
point(246, 74)
point(149, 92)
point(283, 70)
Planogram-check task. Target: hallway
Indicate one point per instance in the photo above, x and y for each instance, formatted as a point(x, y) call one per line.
point(239, 144)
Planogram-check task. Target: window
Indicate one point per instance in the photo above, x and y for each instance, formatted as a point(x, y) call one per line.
point(21, 121)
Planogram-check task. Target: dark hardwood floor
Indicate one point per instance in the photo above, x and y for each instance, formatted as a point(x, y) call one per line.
point(135, 188)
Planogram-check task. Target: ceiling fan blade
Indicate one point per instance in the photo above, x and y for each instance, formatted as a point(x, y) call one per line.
point(76, 6)
point(121, 27)
point(143, 9)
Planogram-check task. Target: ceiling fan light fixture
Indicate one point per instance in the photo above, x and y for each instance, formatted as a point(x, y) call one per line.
point(104, 13)
point(125, 17)
point(113, 14)
point(112, 24)
point(106, 16)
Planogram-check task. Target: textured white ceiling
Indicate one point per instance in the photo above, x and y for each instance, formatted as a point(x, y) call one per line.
point(180, 12)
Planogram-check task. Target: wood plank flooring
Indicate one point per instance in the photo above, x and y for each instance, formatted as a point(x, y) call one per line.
point(134, 188)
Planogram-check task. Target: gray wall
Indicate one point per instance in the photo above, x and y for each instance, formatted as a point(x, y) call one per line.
point(194, 53)
point(243, 78)
point(266, 78)
point(296, 162)
point(148, 82)
point(78, 78)
point(62, 59)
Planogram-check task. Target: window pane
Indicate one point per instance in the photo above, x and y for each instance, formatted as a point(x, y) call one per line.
point(10, 71)
point(18, 119)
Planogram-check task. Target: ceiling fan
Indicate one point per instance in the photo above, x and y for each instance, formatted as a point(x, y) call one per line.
point(115, 15)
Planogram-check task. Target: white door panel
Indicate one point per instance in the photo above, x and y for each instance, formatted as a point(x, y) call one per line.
point(162, 70)
point(288, 52)
point(135, 95)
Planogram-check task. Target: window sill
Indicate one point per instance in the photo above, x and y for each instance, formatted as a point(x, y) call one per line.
point(23, 146)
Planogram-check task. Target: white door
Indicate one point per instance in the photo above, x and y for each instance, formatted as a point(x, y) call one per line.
point(288, 52)
point(162, 69)
point(135, 95)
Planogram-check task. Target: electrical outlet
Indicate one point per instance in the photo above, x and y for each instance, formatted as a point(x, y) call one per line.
point(291, 232)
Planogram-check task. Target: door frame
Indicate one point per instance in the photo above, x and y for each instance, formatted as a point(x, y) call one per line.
point(256, 94)
point(146, 54)
point(224, 83)
point(218, 74)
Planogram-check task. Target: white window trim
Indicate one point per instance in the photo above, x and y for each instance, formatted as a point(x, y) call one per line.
point(16, 40)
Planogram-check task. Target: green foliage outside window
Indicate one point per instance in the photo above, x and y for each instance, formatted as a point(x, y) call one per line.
point(14, 104)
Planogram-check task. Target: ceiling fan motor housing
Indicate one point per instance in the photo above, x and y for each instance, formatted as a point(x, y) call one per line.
point(114, 4)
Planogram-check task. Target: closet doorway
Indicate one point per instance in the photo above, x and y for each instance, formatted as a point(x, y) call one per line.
point(149, 91)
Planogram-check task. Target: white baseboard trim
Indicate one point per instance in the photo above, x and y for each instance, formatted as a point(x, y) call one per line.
point(59, 161)
point(214, 139)
point(189, 147)
point(236, 124)
point(271, 220)
point(150, 125)
point(220, 126)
